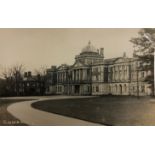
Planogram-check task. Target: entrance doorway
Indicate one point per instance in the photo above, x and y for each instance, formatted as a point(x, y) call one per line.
point(77, 89)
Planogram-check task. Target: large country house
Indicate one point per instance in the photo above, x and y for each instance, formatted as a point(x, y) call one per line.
point(92, 74)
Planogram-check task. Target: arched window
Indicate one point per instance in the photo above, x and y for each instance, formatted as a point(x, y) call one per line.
point(120, 89)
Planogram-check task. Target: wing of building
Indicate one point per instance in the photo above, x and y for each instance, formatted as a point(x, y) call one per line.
point(92, 74)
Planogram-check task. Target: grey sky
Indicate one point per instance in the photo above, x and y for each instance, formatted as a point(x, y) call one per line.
point(39, 47)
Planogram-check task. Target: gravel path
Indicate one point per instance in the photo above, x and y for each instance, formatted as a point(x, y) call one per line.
point(26, 114)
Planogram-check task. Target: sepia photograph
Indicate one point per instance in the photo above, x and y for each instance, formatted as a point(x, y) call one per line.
point(77, 77)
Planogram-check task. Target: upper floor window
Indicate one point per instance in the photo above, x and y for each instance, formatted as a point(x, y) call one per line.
point(97, 78)
point(95, 70)
point(142, 89)
point(142, 74)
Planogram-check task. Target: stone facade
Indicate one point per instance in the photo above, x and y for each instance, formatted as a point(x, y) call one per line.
point(91, 74)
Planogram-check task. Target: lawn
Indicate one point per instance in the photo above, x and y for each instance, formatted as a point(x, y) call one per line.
point(6, 119)
point(112, 110)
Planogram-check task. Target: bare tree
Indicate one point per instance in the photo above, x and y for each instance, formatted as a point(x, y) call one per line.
point(13, 76)
point(41, 71)
point(41, 78)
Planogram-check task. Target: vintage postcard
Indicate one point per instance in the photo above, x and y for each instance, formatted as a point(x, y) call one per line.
point(77, 76)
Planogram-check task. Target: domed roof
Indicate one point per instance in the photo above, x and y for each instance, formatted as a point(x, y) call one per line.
point(89, 48)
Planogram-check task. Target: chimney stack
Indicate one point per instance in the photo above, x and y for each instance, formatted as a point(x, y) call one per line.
point(98, 51)
point(124, 55)
point(25, 74)
point(102, 52)
point(29, 74)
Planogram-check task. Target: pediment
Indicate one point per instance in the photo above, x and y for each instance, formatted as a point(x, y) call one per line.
point(62, 67)
point(120, 60)
point(78, 64)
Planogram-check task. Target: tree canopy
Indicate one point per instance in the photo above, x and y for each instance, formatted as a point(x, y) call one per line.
point(144, 47)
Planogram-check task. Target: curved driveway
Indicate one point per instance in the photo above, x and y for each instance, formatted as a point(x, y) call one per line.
point(28, 115)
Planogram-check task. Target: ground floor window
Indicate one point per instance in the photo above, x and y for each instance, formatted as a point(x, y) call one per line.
point(109, 89)
point(88, 88)
point(59, 89)
point(142, 89)
point(125, 88)
point(48, 89)
point(97, 88)
point(93, 89)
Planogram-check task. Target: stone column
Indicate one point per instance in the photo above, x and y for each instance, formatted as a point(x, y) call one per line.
point(81, 75)
point(127, 73)
point(62, 76)
point(73, 91)
point(75, 74)
point(84, 74)
point(123, 71)
point(114, 73)
point(58, 77)
point(78, 74)
point(72, 75)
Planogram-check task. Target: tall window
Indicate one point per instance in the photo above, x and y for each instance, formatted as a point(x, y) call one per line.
point(97, 89)
point(125, 88)
point(96, 72)
point(88, 73)
point(88, 88)
point(60, 88)
point(93, 89)
point(142, 89)
point(142, 75)
point(116, 88)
